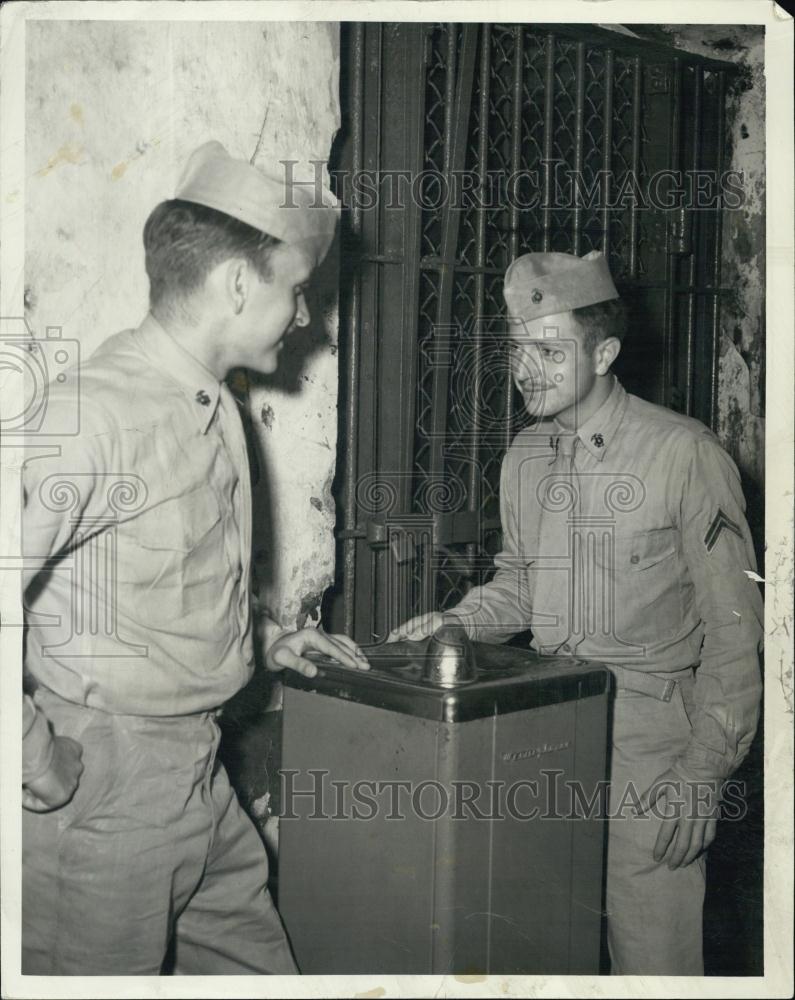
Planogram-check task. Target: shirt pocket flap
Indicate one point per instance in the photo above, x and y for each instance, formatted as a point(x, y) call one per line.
point(636, 551)
point(644, 549)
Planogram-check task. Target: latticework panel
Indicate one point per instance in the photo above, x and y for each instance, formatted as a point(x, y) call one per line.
point(593, 130)
point(434, 132)
point(621, 166)
point(496, 251)
point(429, 297)
point(582, 111)
point(564, 108)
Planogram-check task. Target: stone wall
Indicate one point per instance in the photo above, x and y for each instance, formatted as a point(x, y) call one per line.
point(113, 110)
point(733, 942)
point(741, 388)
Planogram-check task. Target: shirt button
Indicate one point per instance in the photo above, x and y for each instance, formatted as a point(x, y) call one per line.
point(202, 398)
point(635, 559)
point(567, 648)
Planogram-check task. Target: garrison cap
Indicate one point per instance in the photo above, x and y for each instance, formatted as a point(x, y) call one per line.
point(298, 214)
point(544, 284)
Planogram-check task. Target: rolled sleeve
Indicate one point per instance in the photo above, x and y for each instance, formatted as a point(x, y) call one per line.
point(719, 556)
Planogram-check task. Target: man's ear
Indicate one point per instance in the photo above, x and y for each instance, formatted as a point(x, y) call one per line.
point(605, 354)
point(237, 278)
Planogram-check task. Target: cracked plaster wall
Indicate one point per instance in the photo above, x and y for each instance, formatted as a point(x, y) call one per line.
point(113, 110)
point(741, 395)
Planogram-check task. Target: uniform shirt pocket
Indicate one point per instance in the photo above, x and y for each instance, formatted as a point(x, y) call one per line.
point(178, 524)
point(644, 568)
point(174, 549)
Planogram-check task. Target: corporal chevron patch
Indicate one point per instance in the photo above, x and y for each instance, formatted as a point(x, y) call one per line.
point(721, 521)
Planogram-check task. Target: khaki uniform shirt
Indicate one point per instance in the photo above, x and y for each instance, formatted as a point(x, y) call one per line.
point(137, 538)
point(626, 542)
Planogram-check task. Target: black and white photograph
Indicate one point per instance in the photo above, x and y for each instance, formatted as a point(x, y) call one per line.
point(397, 485)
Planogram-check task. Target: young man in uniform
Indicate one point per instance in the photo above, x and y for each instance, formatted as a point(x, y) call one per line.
point(140, 624)
point(625, 542)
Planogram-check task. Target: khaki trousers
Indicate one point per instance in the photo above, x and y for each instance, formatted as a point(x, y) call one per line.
point(153, 854)
point(654, 915)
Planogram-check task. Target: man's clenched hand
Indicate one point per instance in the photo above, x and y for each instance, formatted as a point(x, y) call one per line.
point(59, 782)
point(689, 812)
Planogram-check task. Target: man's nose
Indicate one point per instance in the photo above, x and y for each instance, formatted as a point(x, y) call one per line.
point(302, 314)
point(527, 368)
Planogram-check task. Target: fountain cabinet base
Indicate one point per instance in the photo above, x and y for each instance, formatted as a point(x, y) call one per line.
point(430, 830)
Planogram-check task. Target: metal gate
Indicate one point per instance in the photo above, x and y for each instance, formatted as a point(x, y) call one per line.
point(465, 146)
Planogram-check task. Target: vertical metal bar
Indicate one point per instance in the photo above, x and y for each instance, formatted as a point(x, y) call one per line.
point(449, 244)
point(414, 71)
point(549, 98)
point(379, 567)
point(579, 112)
point(717, 255)
point(516, 163)
point(607, 149)
point(449, 132)
point(449, 241)
point(449, 94)
point(633, 210)
point(352, 324)
point(480, 263)
point(676, 120)
point(692, 219)
point(516, 131)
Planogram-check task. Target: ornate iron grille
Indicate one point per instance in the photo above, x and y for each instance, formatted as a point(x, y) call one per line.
point(583, 120)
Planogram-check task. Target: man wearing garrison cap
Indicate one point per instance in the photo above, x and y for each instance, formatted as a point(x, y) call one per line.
point(134, 844)
point(625, 542)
